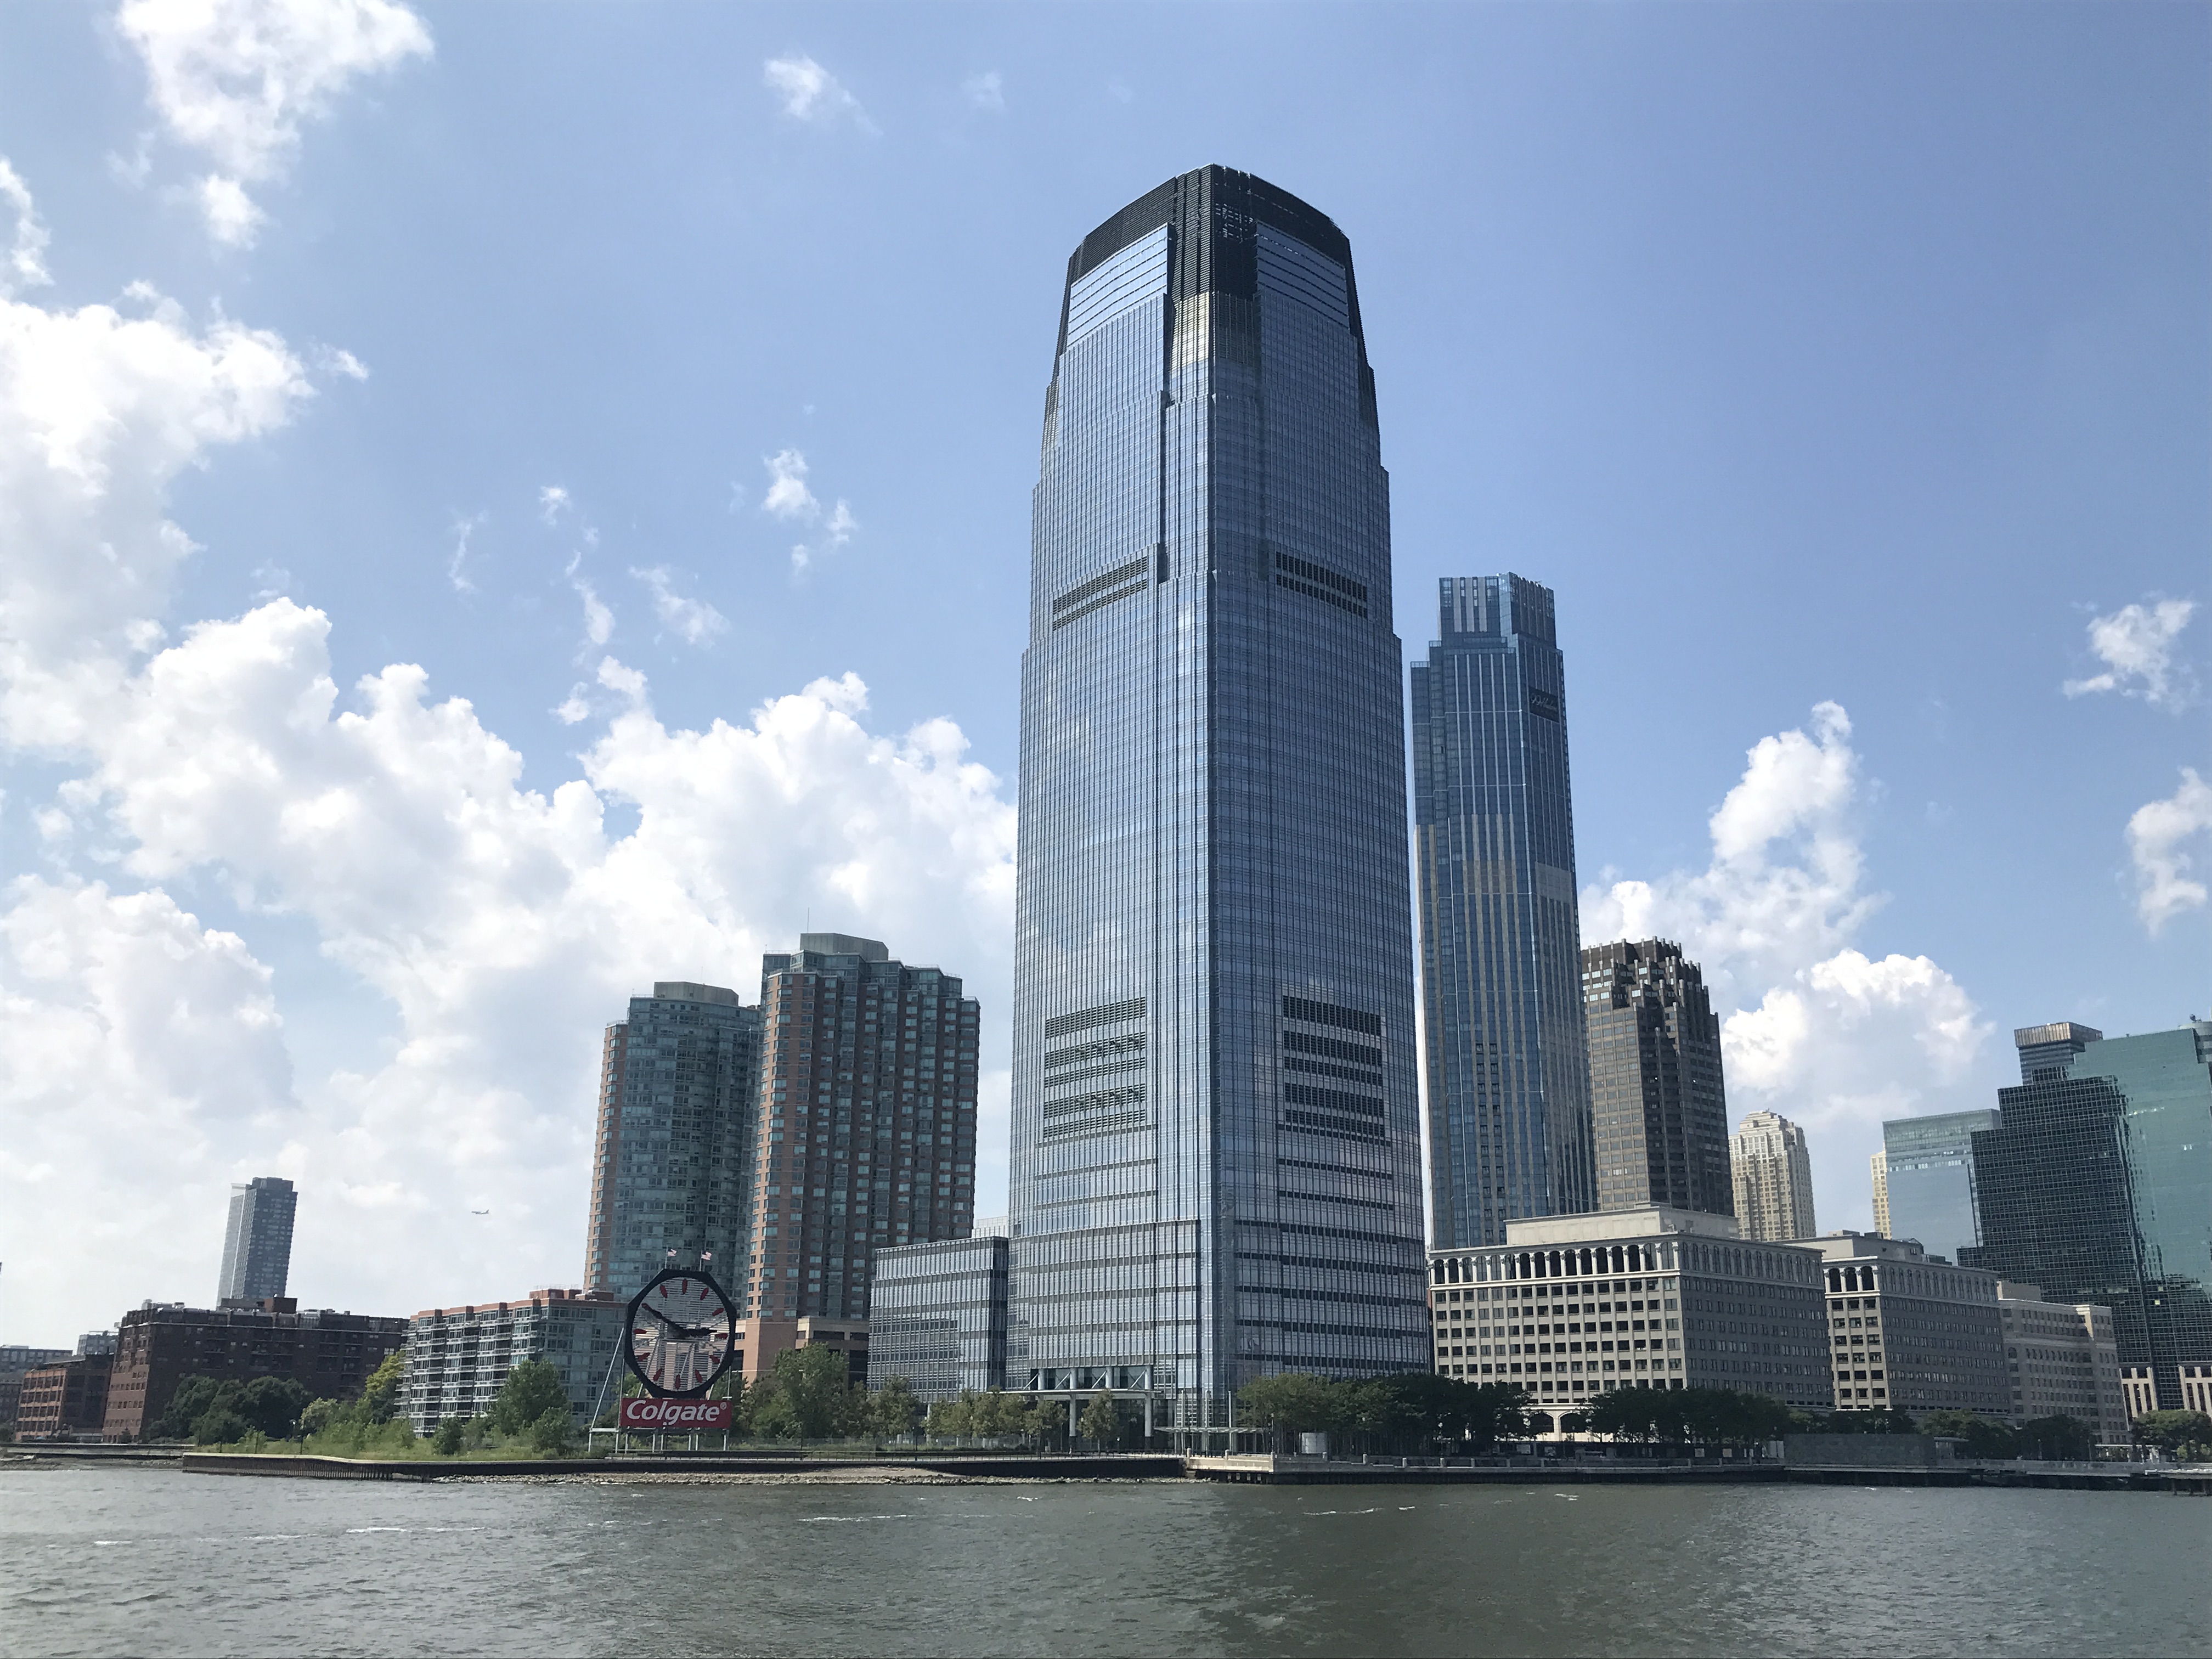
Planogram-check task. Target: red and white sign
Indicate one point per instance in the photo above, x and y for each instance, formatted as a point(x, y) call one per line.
point(674, 1416)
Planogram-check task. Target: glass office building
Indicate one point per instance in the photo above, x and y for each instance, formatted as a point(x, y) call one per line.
point(1215, 1169)
point(2097, 1185)
point(939, 1318)
point(1928, 1166)
point(1507, 1058)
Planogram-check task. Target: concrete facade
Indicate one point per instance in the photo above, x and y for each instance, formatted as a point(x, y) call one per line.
point(1910, 1333)
point(459, 1357)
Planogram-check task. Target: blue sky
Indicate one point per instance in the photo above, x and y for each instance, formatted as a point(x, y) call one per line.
point(1849, 356)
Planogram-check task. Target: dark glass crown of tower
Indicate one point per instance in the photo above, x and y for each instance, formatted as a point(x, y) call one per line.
point(1215, 1169)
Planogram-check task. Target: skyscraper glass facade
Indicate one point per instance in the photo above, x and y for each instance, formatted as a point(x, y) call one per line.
point(257, 1242)
point(677, 1087)
point(2097, 1185)
point(1929, 1165)
point(1215, 1173)
point(1507, 1058)
point(1658, 1103)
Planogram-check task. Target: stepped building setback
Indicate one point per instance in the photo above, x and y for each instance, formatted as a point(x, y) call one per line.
point(1658, 1105)
point(1215, 1147)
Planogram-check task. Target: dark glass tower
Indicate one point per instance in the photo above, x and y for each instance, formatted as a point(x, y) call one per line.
point(1494, 855)
point(2096, 1185)
point(1658, 1105)
point(1216, 1172)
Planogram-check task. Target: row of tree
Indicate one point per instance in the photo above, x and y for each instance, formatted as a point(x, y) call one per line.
point(809, 1394)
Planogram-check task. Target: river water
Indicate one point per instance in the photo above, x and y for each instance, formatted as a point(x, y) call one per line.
point(129, 1561)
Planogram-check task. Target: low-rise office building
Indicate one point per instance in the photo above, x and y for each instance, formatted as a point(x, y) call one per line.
point(457, 1358)
point(64, 1401)
point(328, 1353)
point(761, 1342)
point(1910, 1333)
point(1572, 1306)
point(939, 1317)
point(2062, 1361)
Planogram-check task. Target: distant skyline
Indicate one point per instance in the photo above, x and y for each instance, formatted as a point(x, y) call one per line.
point(500, 508)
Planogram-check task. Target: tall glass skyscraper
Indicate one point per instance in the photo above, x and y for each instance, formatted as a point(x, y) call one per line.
point(1929, 1178)
point(1216, 1173)
point(1508, 1057)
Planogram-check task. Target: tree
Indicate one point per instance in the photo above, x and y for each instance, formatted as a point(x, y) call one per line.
point(553, 1432)
point(188, 1403)
point(317, 1417)
point(1493, 1411)
point(2059, 1438)
point(1622, 1415)
point(1291, 1404)
point(1102, 1422)
point(950, 1419)
point(892, 1409)
point(2186, 1434)
point(218, 1426)
point(532, 1389)
point(807, 1400)
point(380, 1395)
point(451, 1434)
point(1983, 1436)
point(272, 1404)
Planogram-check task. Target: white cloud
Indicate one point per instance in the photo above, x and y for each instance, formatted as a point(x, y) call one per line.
point(337, 361)
point(457, 563)
point(985, 91)
point(552, 502)
point(693, 621)
point(236, 79)
point(26, 261)
point(494, 928)
point(811, 93)
point(1811, 1026)
point(2158, 834)
point(789, 499)
point(2136, 645)
point(599, 620)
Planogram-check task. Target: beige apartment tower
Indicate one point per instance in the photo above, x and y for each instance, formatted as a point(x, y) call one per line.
point(1773, 1178)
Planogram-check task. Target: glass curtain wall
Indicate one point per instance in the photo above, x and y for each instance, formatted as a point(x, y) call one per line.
point(1215, 1173)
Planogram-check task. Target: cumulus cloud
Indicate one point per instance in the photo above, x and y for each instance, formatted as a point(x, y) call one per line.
point(811, 93)
point(552, 502)
point(26, 261)
point(1811, 1026)
point(237, 79)
point(492, 929)
point(985, 91)
point(789, 498)
point(2135, 644)
point(2160, 834)
point(693, 621)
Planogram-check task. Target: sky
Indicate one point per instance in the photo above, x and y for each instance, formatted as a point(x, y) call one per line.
point(502, 505)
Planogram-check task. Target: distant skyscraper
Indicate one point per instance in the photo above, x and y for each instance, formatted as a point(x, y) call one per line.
point(1773, 1174)
point(679, 1080)
point(1507, 1058)
point(1658, 1107)
point(1215, 1159)
point(2096, 1183)
point(868, 1126)
point(257, 1244)
point(1878, 1167)
point(1928, 1166)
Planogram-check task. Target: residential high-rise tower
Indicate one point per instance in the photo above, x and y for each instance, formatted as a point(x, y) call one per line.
point(1507, 1056)
point(867, 1128)
point(671, 1166)
point(1773, 1177)
point(1658, 1105)
point(1215, 1169)
point(256, 1242)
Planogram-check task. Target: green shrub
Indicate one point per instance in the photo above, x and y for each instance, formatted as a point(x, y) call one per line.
point(446, 1441)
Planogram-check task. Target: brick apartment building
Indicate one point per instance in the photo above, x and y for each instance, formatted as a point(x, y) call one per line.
point(330, 1353)
point(64, 1401)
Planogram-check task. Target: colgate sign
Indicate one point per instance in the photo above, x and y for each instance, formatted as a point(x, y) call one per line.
point(681, 1415)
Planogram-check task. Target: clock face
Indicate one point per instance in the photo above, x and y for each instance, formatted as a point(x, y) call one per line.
point(681, 1333)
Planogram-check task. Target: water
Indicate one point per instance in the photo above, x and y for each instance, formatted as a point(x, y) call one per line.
point(110, 1561)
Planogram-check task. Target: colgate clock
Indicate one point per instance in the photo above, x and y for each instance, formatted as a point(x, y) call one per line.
point(682, 1334)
